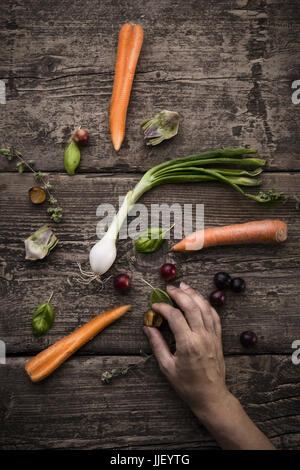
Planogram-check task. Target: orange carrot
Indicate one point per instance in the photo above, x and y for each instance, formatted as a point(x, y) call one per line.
point(42, 365)
point(129, 47)
point(262, 231)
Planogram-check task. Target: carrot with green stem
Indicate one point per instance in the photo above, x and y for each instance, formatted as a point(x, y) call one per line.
point(42, 365)
point(129, 47)
point(262, 231)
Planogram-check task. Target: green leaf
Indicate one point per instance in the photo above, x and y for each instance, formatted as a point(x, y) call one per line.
point(149, 241)
point(158, 296)
point(21, 167)
point(267, 196)
point(106, 377)
point(10, 153)
point(43, 319)
point(39, 175)
point(7, 153)
point(297, 202)
point(55, 213)
point(52, 200)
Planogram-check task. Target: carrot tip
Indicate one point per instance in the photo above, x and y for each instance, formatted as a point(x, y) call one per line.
point(177, 247)
point(117, 143)
point(117, 147)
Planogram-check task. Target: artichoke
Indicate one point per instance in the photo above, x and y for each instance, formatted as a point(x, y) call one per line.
point(161, 127)
point(40, 243)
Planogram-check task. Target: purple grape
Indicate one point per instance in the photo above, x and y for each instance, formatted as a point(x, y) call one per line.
point(238, 284)
point(222, 280)
point(217, 298)
point(248, 339)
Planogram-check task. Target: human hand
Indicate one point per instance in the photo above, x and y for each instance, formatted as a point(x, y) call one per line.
point(197, 369)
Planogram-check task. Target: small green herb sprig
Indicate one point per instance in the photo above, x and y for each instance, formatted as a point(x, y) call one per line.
point(43, 318)
point(108, 376)
point(55, 213)
point(297, 200)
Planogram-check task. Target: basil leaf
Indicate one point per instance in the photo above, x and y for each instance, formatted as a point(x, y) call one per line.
point(159, 295)
point(150, 240)
point(43, 319)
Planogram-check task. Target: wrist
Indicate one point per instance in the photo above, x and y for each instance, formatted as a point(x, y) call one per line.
point(217, 412)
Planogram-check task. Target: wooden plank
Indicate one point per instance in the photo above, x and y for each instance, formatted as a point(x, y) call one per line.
point(73, 409)
point(227, 69)
point(270, 305)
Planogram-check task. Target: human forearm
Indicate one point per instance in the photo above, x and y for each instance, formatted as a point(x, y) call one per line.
point(231, 426)
point(197, 369)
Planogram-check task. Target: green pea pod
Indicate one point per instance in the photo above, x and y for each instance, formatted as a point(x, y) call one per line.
point(71, 158)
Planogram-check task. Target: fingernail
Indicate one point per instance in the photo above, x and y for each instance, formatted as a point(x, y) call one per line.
point(145, 329)
point(170, 287)
point(184, 286)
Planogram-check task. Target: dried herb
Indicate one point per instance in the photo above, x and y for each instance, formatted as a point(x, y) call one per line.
point(40, 177)
point(108, 376)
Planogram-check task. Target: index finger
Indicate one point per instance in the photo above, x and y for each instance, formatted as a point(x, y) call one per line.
point(186, 302)
point(175, 318)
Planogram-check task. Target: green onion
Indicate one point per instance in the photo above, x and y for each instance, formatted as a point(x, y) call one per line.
point(183, 170)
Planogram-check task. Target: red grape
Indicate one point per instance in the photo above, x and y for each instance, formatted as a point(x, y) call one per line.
point(122, 282)
point(168, 271)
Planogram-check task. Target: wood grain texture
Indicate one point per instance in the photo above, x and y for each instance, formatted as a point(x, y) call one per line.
point(226, 67)
point(270, 304)
point(73, 409)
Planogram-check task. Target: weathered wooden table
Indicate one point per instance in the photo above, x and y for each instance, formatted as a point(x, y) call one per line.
point(227, 67)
